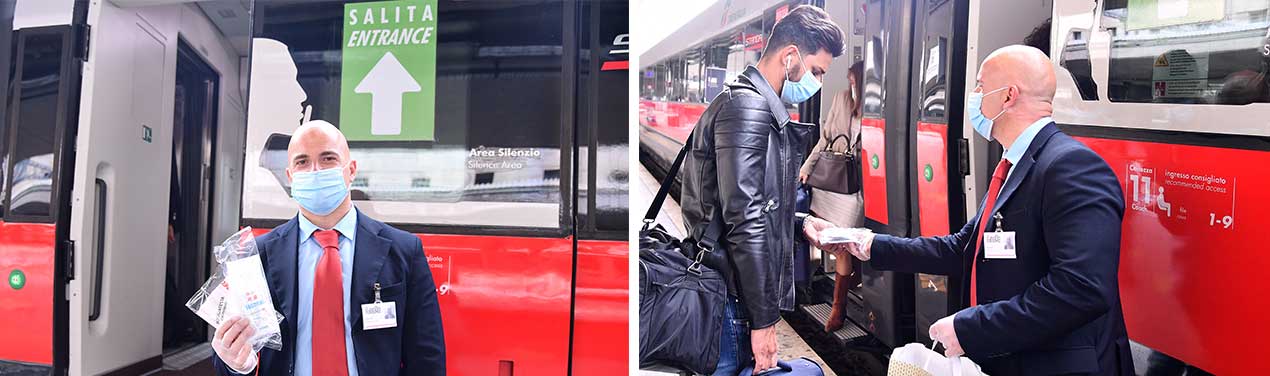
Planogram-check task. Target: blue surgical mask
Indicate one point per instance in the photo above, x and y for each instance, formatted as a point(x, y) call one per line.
point(982, 124)
point(319, 192)
point(795, 92)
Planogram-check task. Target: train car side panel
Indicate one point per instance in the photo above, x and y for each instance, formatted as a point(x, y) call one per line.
point(1189, 261)
point(26, 299)
point(600, 329)
point(873, 158)
point(932, 178)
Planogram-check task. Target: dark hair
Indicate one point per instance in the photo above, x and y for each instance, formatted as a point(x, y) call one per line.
point(857, 70)
point(810, 29)
point(1040, 37)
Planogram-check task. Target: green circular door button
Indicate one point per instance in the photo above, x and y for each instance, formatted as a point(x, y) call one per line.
point(17, 279)
point(873, 160)
point(928, 173)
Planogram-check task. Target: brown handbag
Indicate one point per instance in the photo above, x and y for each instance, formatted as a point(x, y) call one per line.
point(836, 171)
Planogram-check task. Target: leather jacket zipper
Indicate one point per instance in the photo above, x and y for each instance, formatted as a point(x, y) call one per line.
point(787, 241)
point(771, 205)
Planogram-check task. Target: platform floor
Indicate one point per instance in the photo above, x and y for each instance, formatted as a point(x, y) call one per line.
point(791, 345)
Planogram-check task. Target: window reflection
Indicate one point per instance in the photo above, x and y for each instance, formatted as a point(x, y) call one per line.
point(1075, 58)
point(934, 80)
point(1188, 52)
point(32, 185)
point(495, 158)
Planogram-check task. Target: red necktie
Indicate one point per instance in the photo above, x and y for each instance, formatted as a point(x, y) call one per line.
point(329, 355)
point(998, 178)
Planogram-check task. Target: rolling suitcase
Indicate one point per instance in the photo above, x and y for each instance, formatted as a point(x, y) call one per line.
point(793, 367)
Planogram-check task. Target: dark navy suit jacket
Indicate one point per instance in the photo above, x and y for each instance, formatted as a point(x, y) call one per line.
point(1055, 309)
point(386, 255)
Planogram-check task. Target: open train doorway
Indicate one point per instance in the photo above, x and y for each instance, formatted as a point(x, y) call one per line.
point(189, 213)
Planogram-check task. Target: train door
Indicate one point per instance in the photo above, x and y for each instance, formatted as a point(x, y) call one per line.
point(886, 148)
point(151, 118)
point(836, 82)
point(992, 24)
point(944, 52)
point(120, 225)
point(598, 342)
point(935, 119)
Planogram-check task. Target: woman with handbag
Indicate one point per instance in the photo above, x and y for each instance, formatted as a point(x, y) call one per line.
point(833, 171)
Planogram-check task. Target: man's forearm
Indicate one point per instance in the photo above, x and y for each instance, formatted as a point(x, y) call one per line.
point(931, 255)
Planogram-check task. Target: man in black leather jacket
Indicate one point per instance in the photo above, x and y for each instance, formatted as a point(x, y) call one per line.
point(743, 171)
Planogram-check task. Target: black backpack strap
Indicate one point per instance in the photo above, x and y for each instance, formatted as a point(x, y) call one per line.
point(709, 238)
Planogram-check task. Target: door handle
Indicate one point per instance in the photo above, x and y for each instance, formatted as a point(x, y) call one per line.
point(99, 241)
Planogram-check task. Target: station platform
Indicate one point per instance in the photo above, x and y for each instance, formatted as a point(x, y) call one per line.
point(791, 344)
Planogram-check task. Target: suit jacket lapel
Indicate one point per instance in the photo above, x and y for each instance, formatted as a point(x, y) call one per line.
point(1025, 165)
point(368, 260)
point(281, 256)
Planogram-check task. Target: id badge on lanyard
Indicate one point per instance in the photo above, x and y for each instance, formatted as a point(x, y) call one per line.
point(999, 244)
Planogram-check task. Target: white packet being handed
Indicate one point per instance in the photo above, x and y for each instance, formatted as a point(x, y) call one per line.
point(252, 292)
point(238, 287)
point(212, 301)
point(837, 235)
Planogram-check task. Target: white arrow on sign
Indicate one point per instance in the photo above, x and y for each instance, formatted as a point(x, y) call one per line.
point(385, 83)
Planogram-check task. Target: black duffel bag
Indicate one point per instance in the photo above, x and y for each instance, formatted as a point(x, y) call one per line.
point(681, 301)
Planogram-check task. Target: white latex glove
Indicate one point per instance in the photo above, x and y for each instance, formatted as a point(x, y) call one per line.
point(944, 332)
point(861, 251)
point(233, 346)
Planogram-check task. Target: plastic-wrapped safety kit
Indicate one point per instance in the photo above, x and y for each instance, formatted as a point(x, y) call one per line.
point(838, 235)
point(238, 288)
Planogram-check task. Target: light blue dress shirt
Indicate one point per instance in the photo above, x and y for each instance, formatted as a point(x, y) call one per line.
point(1015, 152)
point(310, 252)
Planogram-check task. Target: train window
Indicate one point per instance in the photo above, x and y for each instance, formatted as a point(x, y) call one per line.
point(692, 72)
point(874, 76)
point(934, 80)
point(4, 141)
point(646, 84)
point(664, 81)
point(1075, 58)
point(1198, 52)
point(678, 83)
point(31, 185)
point(603, 141)
point(495, 134)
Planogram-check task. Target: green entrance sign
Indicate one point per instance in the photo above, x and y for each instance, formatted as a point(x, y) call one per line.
point(873, 161)
point(928, 173)
point(388, 80)
point(17, 279)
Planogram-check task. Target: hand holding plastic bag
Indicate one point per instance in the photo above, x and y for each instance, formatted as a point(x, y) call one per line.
point(238, 288)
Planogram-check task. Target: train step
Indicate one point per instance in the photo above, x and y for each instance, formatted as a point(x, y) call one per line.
point(188, 357)
point(850, 332)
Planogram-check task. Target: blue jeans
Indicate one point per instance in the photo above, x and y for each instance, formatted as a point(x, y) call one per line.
point(734, 351)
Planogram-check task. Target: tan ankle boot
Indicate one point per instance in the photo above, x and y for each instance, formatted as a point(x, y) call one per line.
point(841, 285)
